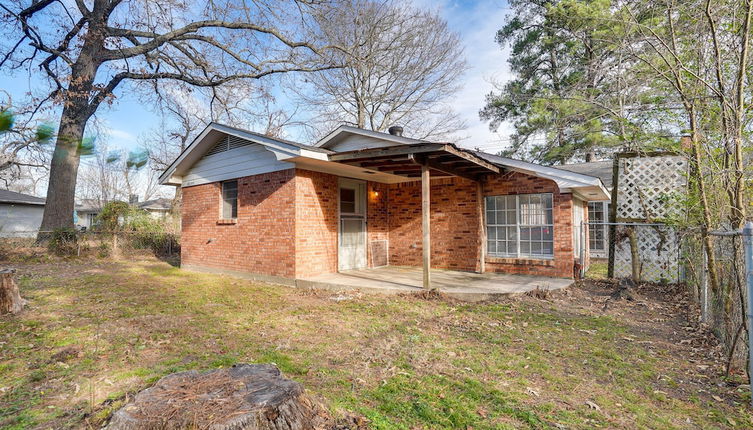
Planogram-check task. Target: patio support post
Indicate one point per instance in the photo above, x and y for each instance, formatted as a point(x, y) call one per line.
point(481, 227)
point(426, 222)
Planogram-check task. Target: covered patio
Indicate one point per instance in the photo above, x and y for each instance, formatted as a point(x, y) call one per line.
point(424, 162)
point(466, 286)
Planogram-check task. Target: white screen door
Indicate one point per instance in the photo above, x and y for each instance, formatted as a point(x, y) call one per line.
point(352, 237)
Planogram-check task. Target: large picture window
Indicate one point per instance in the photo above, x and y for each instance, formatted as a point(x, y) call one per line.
point(230, 200)
point(520, 226)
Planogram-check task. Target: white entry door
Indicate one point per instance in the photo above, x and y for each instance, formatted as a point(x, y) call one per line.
point(352, 237)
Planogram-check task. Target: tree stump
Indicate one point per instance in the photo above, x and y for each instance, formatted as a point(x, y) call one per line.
point(624, 290)
point(10, 298)
point(243, 397)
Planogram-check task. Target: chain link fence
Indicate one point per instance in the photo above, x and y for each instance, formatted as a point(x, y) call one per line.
point(722, 307)
point(103, 244)
point(663, 254)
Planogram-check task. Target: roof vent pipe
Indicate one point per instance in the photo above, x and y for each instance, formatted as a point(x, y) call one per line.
point(396, 130)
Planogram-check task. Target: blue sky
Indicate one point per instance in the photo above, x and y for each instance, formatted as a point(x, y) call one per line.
point(475, 21)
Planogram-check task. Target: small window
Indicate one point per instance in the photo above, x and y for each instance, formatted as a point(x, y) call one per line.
point(347, 200)
point(230, 200)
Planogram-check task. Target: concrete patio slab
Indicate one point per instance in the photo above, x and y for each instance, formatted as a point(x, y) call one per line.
point(461, 285)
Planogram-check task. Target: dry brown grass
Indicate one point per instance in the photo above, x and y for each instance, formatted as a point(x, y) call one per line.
point(98, 331)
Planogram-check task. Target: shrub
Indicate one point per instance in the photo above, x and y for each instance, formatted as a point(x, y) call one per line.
point(63, 241)
point(112, 216)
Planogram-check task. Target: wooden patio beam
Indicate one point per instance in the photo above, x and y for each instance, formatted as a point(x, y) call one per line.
point(443, 167)
point(438, 149)
point(482, 227)
point(387, 152)
point(426, 224)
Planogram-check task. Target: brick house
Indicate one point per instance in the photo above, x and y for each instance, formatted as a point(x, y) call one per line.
point(281, 211)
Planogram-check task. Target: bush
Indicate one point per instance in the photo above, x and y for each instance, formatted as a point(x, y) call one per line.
point(112, 214)
point(63, 241)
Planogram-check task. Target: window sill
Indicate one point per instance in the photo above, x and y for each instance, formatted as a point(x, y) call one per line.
point(522, 261)
point(228, 221)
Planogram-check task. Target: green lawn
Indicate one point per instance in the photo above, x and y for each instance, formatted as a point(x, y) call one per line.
point(97, 331)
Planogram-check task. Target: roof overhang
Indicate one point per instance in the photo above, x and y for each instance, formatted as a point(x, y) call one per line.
point(584, 187)
point(21, 202)
point(209, 137)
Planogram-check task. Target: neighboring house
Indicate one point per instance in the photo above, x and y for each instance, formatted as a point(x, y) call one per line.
point(88, 210)
point(20, 214)
point(157, 208)
point(279, 210)
point(598, 211)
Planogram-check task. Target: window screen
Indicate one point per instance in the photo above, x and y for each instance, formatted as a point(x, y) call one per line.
point(230, 199)
point(520, 225)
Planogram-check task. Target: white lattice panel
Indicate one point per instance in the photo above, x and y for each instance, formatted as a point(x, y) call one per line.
point(648, 187)
point(649, 190)
point(658, 249)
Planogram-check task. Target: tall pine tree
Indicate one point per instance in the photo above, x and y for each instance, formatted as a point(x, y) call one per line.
point(572, 96)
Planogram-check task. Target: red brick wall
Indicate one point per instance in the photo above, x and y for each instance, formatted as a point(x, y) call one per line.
point(378, 217)
point(562, 264)
point(455, 225)
point(316, 223)
point(288, 224)
point(261, 241)
point(455, 220)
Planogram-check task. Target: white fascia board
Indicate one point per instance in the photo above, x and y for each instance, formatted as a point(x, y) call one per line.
point(281, 150)
point(370, 133)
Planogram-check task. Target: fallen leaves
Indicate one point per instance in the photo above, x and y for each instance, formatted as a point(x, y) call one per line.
point(593, 406)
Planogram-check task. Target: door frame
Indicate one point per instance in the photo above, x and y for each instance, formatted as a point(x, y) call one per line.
point(360, 213)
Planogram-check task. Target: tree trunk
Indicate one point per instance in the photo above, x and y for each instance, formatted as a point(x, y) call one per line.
point(697, 168)
point(10, 298)
point(61, 191)
point(79, 106)
point(177, 201)
point(243, 397)
point(635, 257)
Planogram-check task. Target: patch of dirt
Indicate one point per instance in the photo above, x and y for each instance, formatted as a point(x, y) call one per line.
point(65, 354)
point(432, 294)
point(666, 322)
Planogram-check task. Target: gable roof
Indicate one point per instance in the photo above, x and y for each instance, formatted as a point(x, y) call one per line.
point(160, 204)
point(344, 131)
point(89, 205)
point(317, 157)
point(20, 198)
point(205, 141)
point(599, 169)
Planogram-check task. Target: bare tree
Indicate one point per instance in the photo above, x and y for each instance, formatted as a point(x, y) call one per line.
point(85, 51)
point(401, 65)
point(24, 147)
point(101, 179)
point(113, 174)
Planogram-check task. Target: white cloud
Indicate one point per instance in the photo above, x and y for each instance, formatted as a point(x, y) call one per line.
point(117, 134)
point(477, 23)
